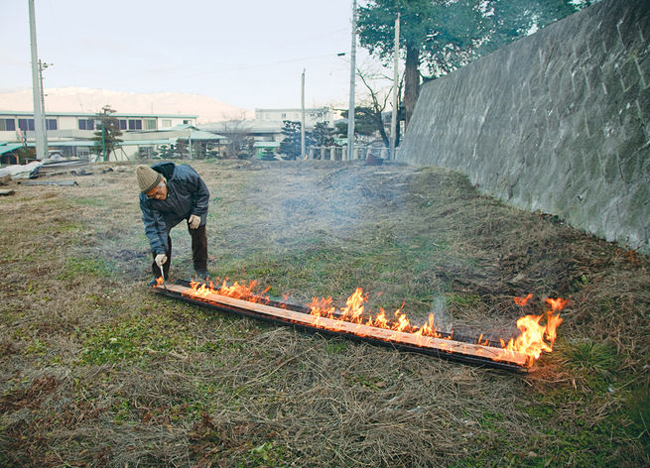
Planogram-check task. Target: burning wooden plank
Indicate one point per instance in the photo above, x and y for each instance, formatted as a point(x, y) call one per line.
point(469, 352)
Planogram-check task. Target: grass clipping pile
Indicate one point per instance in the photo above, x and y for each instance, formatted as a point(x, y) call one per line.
point(97, 371)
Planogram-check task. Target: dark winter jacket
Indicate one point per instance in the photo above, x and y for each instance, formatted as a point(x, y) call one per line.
point(187, 195)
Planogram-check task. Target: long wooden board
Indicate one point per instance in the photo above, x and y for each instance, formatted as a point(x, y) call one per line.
point(341, 326)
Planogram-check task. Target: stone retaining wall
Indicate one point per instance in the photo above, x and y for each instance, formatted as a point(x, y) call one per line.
point(558, 122)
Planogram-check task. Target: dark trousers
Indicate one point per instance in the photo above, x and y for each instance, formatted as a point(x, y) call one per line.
point(199, 253)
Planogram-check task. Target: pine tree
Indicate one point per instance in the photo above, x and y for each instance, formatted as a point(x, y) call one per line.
point(290, 146)
point(107, 134)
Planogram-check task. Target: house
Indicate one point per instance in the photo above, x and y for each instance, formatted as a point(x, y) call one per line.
point(71, 134)
point(197, 143)
point(262, 136)
point(249, 136)
point(312, 115)
point(8, 152)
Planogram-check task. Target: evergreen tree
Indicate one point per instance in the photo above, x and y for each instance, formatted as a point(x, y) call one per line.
point(370, 121)
point(181, 149)
point(444, 35)
point(290, 146)
point(107, 134)
point(323, 134)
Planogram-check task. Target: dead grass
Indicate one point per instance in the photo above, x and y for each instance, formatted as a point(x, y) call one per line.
point(98, 371)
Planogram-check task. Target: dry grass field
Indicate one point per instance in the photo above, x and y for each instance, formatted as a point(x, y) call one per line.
point(97, 370)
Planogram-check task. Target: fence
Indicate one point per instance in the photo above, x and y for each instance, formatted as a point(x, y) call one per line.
point(340, 153)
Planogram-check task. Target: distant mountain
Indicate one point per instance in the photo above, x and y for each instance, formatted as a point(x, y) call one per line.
point(92, 100)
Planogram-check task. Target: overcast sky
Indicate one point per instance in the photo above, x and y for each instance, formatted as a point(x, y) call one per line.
point(246, 53)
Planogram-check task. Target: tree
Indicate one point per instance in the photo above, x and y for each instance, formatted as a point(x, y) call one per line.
point(198, 149)
point(363, 124)
point(498, 23)
point(323, 134)
point(166, 152)
point(376, 25)
point(291, 145)
point(181, 148)
point(446, 34)
point(371, 116)
point(240, 139)
point(376, 108)
point(107, 134)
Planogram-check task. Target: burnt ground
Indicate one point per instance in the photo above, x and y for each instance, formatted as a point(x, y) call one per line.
point(96, 370)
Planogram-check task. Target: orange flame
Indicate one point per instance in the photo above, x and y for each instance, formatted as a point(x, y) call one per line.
point(354, 307)
point(428, 328)
point(236, 290)
point(521, 301)
point(354, 312)
point(534, 339)
point(322, 307)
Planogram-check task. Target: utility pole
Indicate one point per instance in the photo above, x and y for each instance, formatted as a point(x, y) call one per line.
point(39, 120)
point(353, 67)
point(393, 122)
point(302, 120)
point(42, 66)
point(103, 141)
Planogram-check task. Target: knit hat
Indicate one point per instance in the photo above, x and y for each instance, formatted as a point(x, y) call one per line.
point(147, 178)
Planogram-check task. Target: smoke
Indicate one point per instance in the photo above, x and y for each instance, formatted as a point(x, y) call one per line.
point(441, 317)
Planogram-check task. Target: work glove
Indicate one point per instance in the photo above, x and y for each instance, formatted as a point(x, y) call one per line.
point(161, 259)
point(194, 221)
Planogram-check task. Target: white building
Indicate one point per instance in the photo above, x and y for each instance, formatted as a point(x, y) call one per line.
point(72, 133)
point(312, 116)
